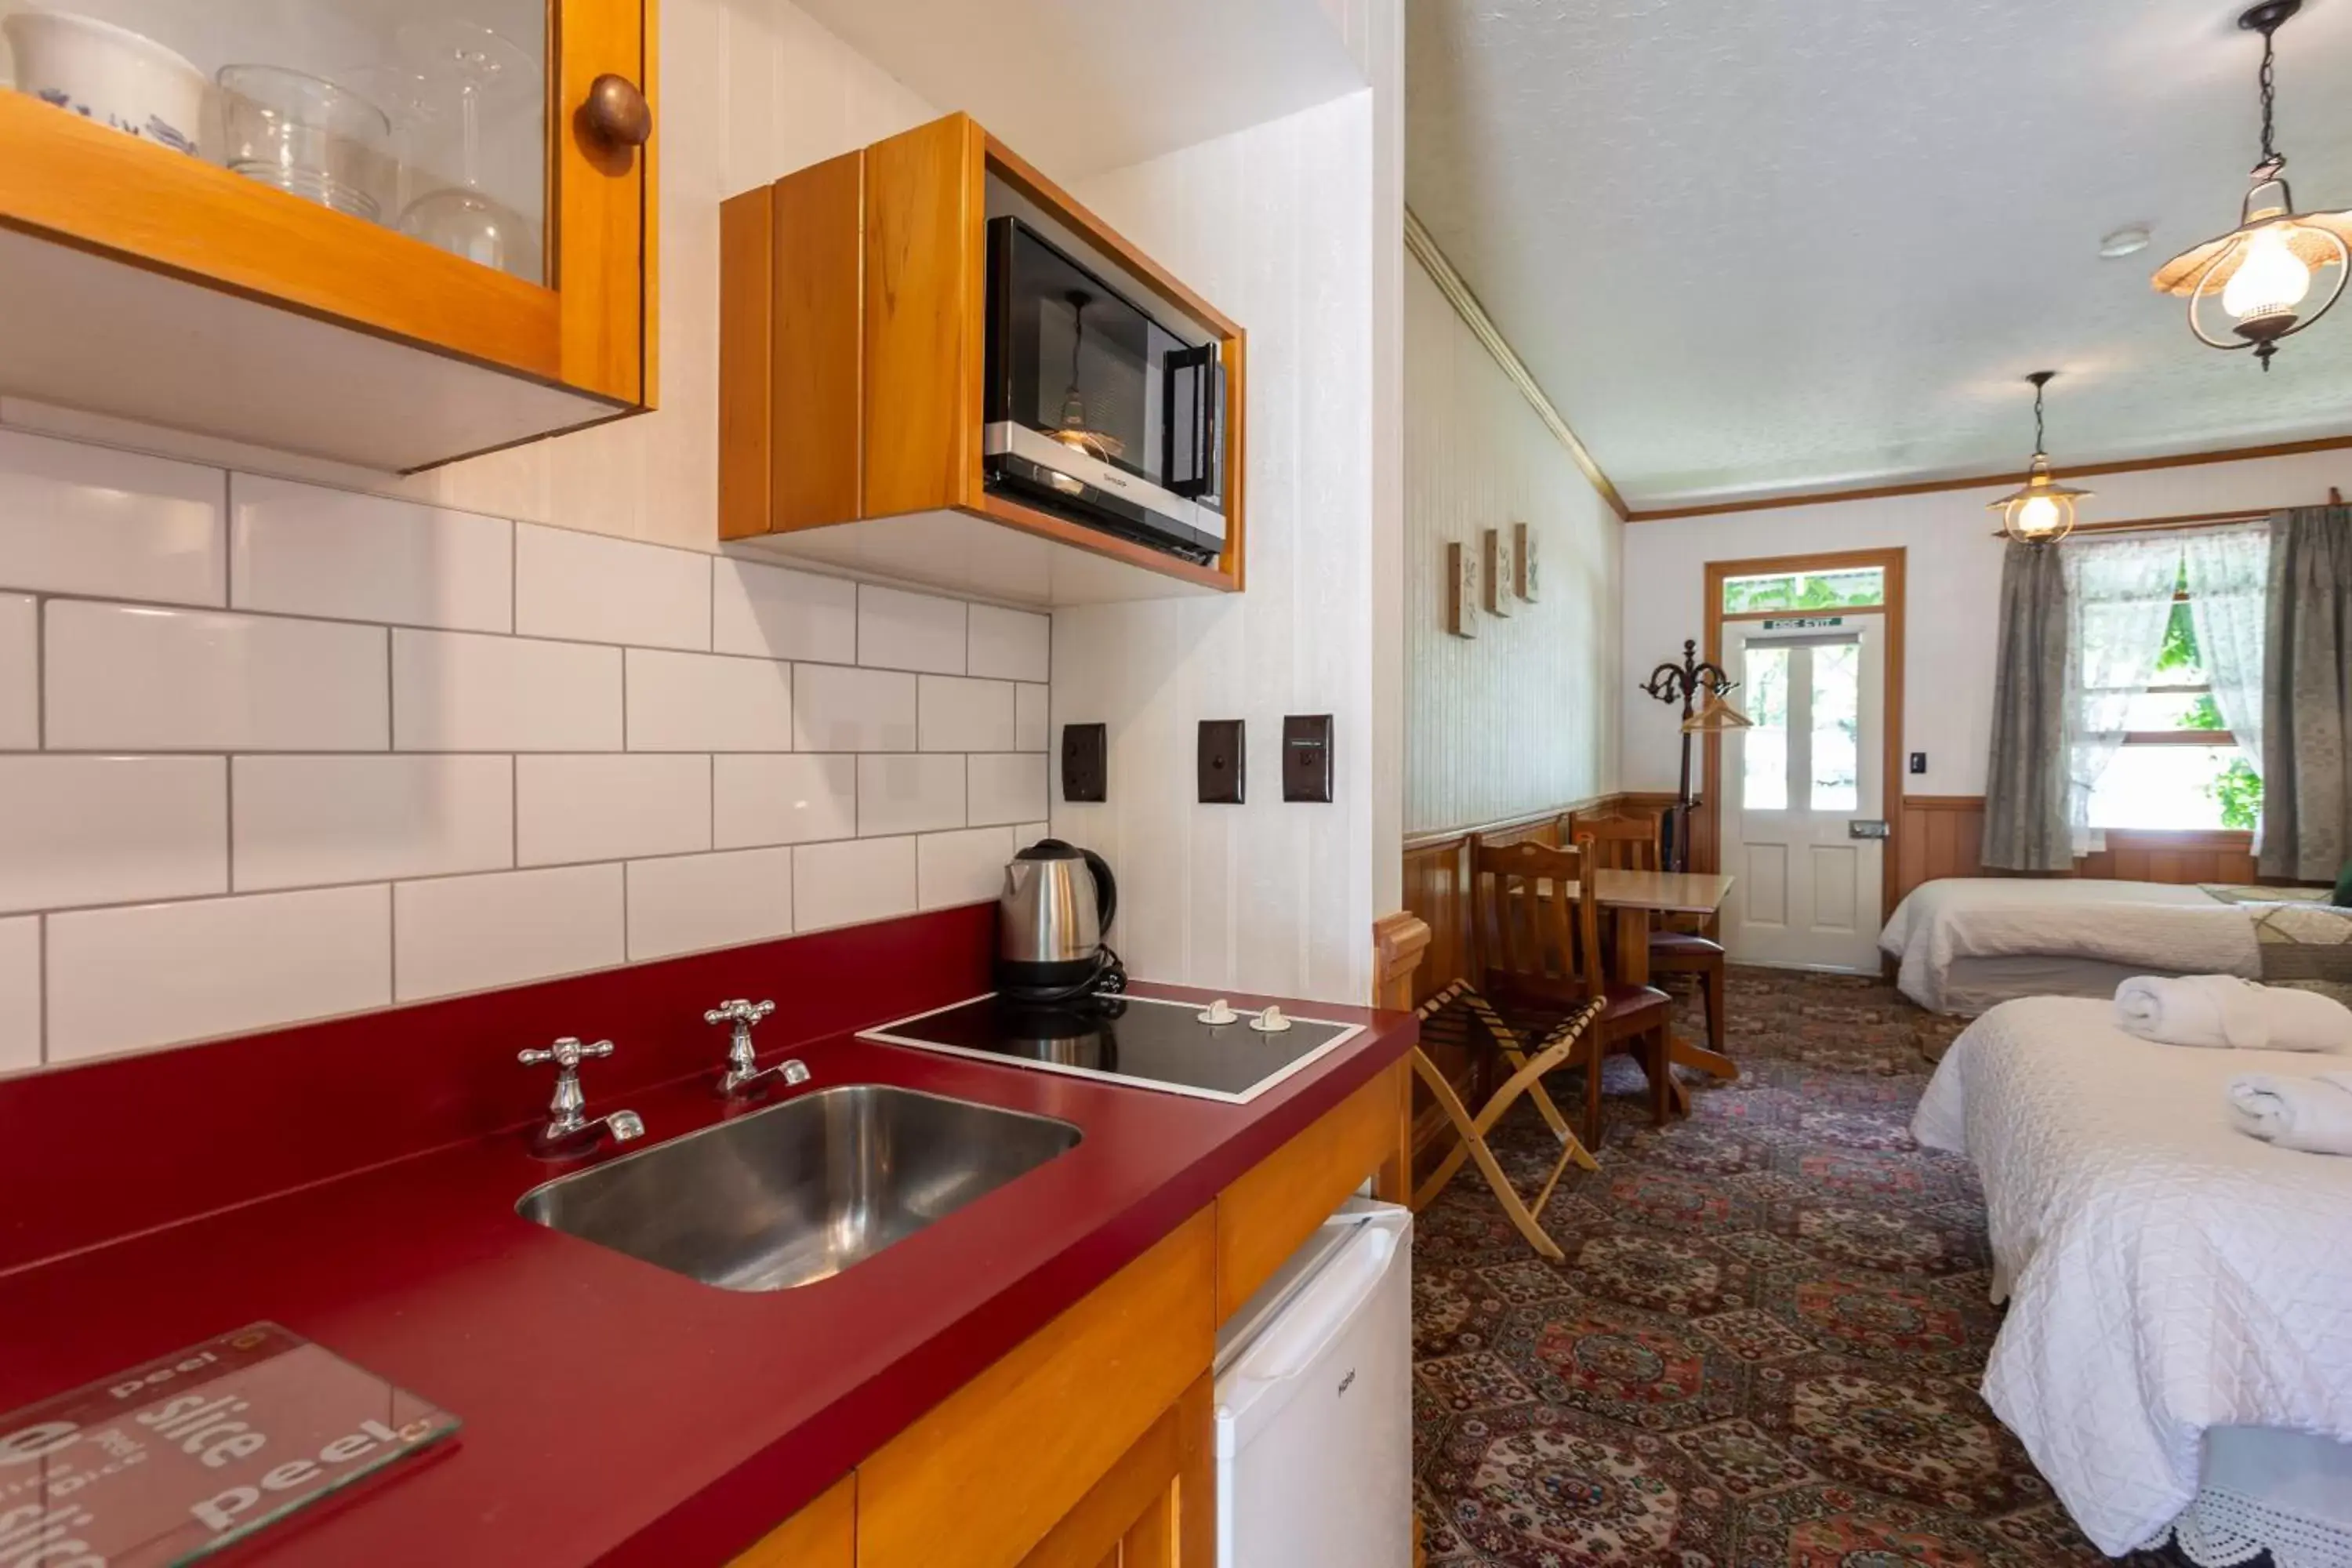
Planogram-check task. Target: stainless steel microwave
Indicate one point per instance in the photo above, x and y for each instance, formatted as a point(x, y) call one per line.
point(1098, 411)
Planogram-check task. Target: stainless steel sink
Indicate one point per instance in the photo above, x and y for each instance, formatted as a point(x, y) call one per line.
point(799, 1192)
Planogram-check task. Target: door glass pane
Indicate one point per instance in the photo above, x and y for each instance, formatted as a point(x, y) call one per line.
point(427, 116)
point(1805, 590)
point(1837, 726)
point(1764, 751)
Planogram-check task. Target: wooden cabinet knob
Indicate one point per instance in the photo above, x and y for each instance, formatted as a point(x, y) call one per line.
point(617, 112)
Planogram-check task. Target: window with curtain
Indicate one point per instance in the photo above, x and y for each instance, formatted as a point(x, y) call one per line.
point(2168, 699)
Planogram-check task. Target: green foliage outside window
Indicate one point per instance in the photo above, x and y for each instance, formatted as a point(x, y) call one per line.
point(2238, 789)
point(1865, 587)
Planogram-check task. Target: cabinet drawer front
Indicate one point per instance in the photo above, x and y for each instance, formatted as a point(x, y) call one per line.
point(996, 1466)
point(1266, 1214)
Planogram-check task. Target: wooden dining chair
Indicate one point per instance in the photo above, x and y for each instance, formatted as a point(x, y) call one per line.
point(1535, 931)
point(1631, 844)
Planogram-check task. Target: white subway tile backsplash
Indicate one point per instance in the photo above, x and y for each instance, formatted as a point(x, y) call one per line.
point(1031, 730)
point(600, 589)
point(20, 673)
point(112, 830)
point(307, 551)
point(610, 807)
point(842, 709)
point(917, 794)
point(966, 868)
point(308, 821)
point(897, 630)
point(795, 799)
point(131, 677)
point(856, 880)
point(1029, 833)
point(692, 902)
point(771, 612)
point(457, 691)
point(707, 702)
point(88, 520)
point(1007, 788)
point(470, 934)
point(148, 974)
point(960, 715)
point(1010, 645)
point(20, 994)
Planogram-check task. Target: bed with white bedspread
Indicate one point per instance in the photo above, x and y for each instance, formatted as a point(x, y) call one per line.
point(2167, 1277)
point(1968, 943)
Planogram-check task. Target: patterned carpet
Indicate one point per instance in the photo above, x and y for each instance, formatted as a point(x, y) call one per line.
point(1764, 1345)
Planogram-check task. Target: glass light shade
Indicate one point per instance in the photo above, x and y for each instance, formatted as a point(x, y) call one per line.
point(2042, 511)
point(2271, 281)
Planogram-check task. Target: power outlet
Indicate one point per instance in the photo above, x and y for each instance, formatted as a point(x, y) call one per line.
point(1220, 764)
point(1307, 757)
point(1086, 763)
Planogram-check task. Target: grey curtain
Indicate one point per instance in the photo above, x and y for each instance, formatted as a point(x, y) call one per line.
point(2307, 695)
point(2028, 827)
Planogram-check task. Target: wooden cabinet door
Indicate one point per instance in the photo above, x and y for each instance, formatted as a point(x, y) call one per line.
point(1157, 1508)
point(442, 179)
point(822, 1535)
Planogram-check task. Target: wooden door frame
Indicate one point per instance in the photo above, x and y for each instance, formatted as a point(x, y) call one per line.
point(1891, 562)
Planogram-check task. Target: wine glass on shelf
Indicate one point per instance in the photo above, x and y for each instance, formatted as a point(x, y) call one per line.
point(482, 72)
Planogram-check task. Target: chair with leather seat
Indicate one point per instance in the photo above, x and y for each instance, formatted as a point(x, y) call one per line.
point(1631, 844)
point(1535, 931)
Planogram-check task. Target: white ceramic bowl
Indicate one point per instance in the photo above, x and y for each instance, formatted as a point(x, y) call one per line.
point(109, 74)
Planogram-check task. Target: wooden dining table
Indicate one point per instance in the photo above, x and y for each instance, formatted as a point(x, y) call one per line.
point(1631, 899)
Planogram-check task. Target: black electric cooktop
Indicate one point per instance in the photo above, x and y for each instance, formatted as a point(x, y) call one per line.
point(1138, 1040)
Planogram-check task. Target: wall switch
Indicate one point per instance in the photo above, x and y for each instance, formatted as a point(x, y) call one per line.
point(1086, 763)
point(1918, 762)
point(1221, 764)
point(1307, 757)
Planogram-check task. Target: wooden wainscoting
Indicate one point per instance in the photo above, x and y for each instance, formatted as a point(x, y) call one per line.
point(1942, 834)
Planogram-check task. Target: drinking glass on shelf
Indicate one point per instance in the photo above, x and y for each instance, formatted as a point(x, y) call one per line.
point(481, 71)
point(306, 135)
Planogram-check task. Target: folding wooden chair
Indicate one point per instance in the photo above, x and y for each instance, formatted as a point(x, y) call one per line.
point(1460, 1007)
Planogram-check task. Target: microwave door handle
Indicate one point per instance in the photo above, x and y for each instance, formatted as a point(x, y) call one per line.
point(1211, 446)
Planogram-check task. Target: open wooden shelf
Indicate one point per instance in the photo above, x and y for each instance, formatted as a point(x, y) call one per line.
point(852, 299)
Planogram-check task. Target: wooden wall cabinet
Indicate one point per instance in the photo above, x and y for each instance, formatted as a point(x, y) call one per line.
point(850, 377)
point(1091, 1444)
point(148, 283)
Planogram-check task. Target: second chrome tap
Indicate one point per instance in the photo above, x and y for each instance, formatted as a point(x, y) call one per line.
point(743, 1080)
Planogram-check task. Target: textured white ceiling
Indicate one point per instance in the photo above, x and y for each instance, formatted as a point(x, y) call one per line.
point(1750, 246)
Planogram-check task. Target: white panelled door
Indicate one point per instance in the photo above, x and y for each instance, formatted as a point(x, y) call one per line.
point(1803, 790)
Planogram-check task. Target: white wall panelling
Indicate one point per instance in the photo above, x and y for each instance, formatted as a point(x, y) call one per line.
point(1281, 227)
point(1953, 568)
point(1524, 716)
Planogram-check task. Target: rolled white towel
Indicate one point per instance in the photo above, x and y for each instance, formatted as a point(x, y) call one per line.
point(2313, 1114)
point(2221, 1011)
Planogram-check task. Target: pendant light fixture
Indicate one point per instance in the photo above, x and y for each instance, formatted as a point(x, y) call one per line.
point(2043, 511)
point(2261, 273)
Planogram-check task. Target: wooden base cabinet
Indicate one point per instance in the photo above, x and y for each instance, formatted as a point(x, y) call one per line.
point(1092, 1443)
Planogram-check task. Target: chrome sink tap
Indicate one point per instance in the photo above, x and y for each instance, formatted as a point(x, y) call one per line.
point(744, 1079)
point(568, 1133)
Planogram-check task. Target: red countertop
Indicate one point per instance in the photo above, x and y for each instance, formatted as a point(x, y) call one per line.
point(613, 1412)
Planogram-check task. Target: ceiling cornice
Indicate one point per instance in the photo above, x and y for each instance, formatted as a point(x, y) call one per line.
point(1985, 482)
point(1423, 247)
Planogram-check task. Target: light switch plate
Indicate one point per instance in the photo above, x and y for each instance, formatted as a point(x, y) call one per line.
point(1307, 757)
point(1221, 766)
point(1086, 763)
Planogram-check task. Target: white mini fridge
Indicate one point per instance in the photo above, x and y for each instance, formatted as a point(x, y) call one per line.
point(1314, 1404)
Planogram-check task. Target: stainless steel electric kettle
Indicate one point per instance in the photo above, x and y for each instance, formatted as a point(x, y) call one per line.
point(1052, 917)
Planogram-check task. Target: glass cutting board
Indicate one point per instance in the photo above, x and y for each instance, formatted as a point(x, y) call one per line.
point(171, 1461)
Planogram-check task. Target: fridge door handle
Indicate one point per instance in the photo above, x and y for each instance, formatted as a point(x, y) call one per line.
point(1308, 1325)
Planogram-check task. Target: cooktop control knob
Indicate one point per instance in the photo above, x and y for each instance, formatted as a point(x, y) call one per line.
point(1270, 1022)
point(1217, 1012)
